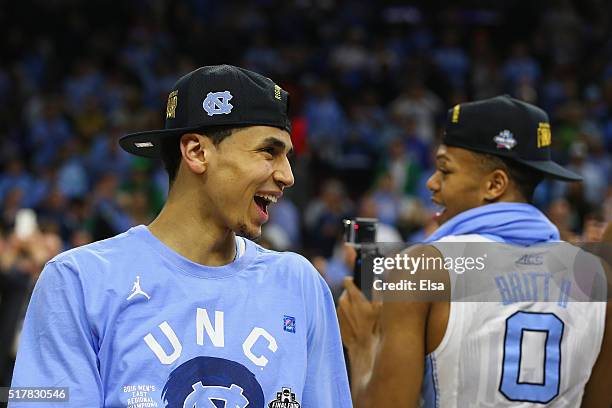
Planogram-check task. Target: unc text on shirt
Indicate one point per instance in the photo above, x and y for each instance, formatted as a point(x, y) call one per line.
point(216, 334)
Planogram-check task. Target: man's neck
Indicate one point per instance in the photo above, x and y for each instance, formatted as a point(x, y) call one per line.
point(198, 241)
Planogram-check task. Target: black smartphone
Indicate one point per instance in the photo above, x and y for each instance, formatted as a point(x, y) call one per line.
point(361, 234)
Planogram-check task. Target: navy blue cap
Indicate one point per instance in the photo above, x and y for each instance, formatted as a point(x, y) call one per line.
point(218, 95)
point(506, 127)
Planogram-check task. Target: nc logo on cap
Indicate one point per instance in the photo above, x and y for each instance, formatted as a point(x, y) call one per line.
point(217, 103)
point(505, 140)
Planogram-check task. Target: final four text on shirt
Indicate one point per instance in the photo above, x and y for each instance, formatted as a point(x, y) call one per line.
point(216, 334)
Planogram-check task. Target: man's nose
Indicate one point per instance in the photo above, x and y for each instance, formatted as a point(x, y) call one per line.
point(433, 183)
point(283, 174)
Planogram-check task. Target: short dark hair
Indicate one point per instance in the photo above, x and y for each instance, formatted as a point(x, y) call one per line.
point(171, 151)
point(525, 178)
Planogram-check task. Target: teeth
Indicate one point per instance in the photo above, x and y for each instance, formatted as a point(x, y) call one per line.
point(269, 198)
point(439, 209)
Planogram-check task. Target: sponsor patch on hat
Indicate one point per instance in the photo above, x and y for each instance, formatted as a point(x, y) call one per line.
point(455, 118)
point(277, 92)
point(171, 106)
point(217, 103)
point(505, 140)
point(544, 135)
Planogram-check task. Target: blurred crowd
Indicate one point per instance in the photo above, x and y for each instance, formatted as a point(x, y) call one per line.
point(370, 85)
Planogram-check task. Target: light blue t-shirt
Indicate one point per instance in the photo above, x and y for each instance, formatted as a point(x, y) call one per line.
point(128, 322)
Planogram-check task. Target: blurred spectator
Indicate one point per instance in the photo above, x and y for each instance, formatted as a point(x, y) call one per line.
point(55, 210)
point(452, 59)
point(106, 156)
point(368, 208)
point(485, 75)
point(565, 219)
point(262, 56)
point(403, 165)
point(335, 268)
point(326, 120)
point(108, 217)
point(520, 67)
point(594, 184)
point(563, 29)
point(420, 104)
point(140, 179)
point(21, 260)
point(84, 81)
point(49, 132)
point(13, 177)
point(91, 119)
point(350, 58)
point(323, 217)
point(72, 176)
point(594, 226)
point(417, 221)
point(10, 205)
point(285, 216)
point(387, 199)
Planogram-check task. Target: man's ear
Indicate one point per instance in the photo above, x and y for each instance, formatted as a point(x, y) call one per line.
point(496, 185)
point(195, 149)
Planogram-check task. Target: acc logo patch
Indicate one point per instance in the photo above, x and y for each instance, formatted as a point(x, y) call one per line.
point(211, 382)
point(284, 399)
point(217, 103)
point(530, 259)
point(505, 140)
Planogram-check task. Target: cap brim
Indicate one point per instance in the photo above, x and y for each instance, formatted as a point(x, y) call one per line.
point(551, 169)
point(148, 144)
point(548, 167)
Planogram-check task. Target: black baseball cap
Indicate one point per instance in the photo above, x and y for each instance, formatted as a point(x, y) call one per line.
point(218, 95)
point(506, 127)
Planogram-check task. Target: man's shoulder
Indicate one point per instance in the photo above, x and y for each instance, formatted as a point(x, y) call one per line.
point(465, 238)
point(291, 262)
point(270, 255)
point(115, 248)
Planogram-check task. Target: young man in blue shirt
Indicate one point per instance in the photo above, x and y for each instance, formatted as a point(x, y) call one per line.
point(184, 312)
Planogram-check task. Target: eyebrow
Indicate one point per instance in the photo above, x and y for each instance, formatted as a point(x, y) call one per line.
point(442, 157)
point(273, 141)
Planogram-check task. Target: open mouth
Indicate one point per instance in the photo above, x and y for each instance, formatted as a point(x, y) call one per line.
point(263, 201)
point(439, 210)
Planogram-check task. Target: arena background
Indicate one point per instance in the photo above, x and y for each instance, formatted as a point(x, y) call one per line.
point(370, 84)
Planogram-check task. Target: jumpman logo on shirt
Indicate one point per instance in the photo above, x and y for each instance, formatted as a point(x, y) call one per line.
point(136, 290)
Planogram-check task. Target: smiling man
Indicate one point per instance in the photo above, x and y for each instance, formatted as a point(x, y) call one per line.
point(183, 312)
point(497, 349)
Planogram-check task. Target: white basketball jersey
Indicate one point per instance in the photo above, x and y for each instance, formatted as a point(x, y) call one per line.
point(530, 340)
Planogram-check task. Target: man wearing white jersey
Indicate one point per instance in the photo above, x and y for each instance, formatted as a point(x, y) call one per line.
point(521, 348)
